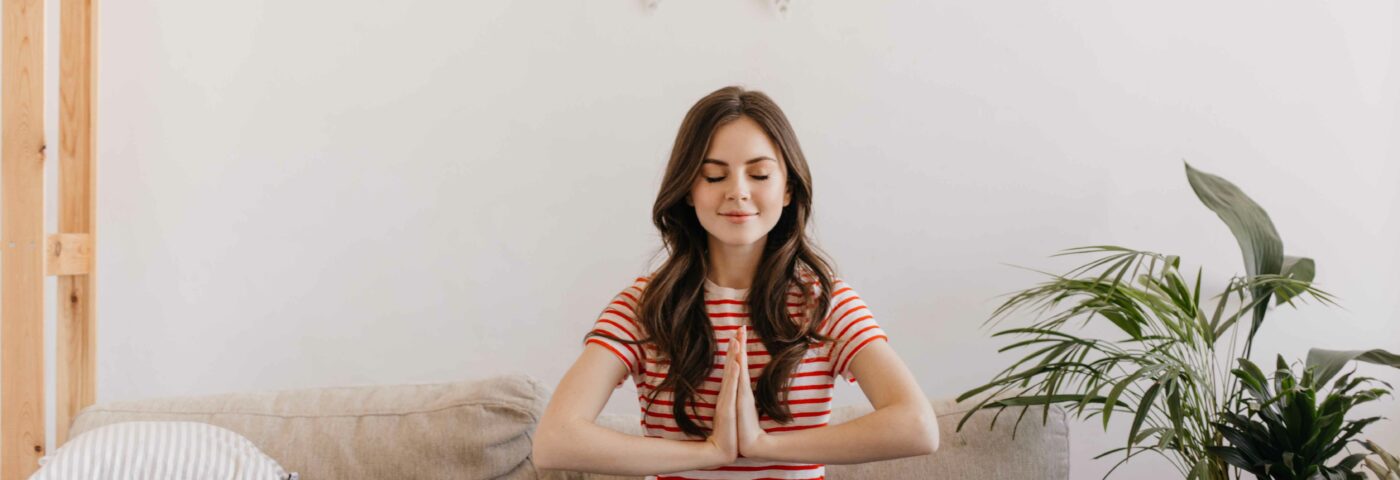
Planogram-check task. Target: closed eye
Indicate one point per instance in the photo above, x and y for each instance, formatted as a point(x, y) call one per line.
point(716, 179)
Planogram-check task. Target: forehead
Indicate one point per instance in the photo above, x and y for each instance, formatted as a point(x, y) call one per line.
point(738, 142)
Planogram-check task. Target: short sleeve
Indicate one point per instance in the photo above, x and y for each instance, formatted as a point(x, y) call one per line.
point(853, 326)
point(619, 319)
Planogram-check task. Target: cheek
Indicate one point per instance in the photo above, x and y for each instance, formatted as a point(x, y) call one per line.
point(701, 196)
point(773, 191)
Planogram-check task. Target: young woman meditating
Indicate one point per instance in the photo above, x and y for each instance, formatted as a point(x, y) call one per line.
point(736, 341)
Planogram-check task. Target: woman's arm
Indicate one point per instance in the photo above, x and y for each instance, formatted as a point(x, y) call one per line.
point(568, 439)
point(902, 425)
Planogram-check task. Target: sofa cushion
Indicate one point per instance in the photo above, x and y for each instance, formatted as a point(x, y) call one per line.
point(470, 429)
point(146, 450)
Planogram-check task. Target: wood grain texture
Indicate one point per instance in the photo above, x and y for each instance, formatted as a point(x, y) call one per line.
point(21, 300)
point(68, 254)
point(75, 375)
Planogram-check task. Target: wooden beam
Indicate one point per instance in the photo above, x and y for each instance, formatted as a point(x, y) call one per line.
point(22, 208)
point(68, 253)
point(76, 374)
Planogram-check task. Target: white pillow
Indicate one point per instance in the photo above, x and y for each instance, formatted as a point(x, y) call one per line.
point(160, 451)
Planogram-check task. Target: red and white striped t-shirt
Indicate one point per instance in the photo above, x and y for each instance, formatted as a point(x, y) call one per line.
point(848, 320)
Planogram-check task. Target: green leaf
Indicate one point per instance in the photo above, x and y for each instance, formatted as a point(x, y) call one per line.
point(1174, 403)
point(1215, 320)
point(1248, 446)
point(1327, 363)
point(980, 405)
point(1233, 457)
point(1041, 399)
point(1143, 407)
point(1200, 471)
point(1255, 232)
point(1253, 379)
point(1148, 432)
point(1297, 268)
point(1118, 390)
point(1351, 462)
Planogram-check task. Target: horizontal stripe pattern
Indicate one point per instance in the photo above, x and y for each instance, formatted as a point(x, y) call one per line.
point(137, 450)
point(847, 319)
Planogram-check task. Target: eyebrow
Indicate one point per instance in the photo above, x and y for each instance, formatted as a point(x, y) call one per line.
point(750, 162)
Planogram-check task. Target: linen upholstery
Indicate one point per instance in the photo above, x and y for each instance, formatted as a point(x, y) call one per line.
point(482, 429)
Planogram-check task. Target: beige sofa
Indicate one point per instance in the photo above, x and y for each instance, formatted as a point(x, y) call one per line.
point(482, 429)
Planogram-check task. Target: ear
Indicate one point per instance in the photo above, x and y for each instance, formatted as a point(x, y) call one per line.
point(787, 196)
point(689, 201)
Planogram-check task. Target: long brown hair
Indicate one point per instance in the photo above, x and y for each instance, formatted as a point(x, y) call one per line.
point(672, 308)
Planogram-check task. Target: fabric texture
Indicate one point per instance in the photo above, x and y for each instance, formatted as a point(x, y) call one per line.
point(159, 451)
point(847, 319)
point(470, 429)
point(479, 429)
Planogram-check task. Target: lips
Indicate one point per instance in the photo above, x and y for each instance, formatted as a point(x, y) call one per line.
point(738, 217)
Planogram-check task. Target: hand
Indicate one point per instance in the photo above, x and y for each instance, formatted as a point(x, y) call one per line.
point(724, 435)
point(750, 433)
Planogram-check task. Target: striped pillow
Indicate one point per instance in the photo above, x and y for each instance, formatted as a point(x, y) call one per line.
point(160, 451)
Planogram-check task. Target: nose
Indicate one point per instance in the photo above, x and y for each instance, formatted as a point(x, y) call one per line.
point(739, 189)
point(740, 193)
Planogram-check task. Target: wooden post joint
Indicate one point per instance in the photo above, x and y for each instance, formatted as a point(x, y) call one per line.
point(68, 254)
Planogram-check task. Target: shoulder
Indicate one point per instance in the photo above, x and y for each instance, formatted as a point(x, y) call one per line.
point(631, 296)
point(839, 286)
point(843, 297)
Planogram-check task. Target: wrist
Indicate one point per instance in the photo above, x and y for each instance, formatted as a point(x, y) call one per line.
point(716, 454)
point(763, 446)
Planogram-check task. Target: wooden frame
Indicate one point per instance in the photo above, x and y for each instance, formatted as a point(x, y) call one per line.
point(26, 254)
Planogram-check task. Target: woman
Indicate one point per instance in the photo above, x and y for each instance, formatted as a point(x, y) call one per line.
point(741, 285)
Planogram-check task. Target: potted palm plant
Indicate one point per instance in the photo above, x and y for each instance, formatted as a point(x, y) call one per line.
point(1179, 366)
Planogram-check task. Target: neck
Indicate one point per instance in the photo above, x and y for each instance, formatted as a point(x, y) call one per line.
point(733, 266)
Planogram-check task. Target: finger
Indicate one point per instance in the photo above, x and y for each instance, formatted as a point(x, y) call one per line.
point(744, 352)
point(723, 424)
point(732, 356)
point(732, 376)
point(739, 351)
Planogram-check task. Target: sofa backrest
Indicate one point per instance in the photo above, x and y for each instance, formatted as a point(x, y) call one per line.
point(482, 429)
point(471, 429)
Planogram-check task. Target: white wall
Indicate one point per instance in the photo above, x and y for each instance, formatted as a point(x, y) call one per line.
point(313, 193)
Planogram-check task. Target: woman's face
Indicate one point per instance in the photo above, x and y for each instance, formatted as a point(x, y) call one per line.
point(742, 188)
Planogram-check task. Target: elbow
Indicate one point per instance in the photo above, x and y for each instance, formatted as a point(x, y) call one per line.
point(928, 433)
point(541, 453)
point(544, 451)
point(932, 436)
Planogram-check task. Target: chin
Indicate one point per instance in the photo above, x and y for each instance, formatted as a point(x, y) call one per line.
point(741, 242)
